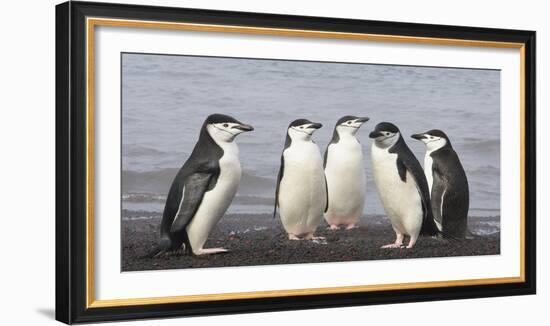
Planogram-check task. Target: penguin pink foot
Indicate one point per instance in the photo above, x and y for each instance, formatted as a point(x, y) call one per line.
point(392, 246)
point(169, 253)
point(293, 237)
point(310, 236)
point(412, 242)
point(211, 251)
point(333, 227)
point(351, 226)
point(397, 244)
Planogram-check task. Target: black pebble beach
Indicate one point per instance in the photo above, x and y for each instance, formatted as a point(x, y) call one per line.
point(261, 240)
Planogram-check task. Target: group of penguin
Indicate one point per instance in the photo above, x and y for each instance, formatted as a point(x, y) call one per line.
point(433, 201)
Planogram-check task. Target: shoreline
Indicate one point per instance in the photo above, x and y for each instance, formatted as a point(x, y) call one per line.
point(258, 239)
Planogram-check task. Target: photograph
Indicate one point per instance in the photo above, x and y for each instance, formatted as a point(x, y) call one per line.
point(233, 161)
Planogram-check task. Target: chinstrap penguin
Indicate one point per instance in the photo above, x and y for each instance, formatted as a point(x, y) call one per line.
point(345, 174)
point(402, 185)
point(447, 182)
point(301, 192)
point(203, 188)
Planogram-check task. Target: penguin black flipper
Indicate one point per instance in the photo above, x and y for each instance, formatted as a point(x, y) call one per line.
point(196, 185)
point(183, 200)
point(451, 201)
point(326, 187)
point(288, 142)
point(406, 161)
point(334, 140)
point(279, 177)
point(401, 169)
point(438, 190)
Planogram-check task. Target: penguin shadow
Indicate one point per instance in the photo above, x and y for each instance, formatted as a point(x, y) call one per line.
point(342, 236)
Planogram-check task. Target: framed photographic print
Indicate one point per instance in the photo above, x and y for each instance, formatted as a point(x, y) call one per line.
point(223, 162)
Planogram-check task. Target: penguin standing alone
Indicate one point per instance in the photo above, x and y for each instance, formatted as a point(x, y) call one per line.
point(301, 192)
point(402, 186)
point(345, 174)
point(203, 188)
point(447, 182)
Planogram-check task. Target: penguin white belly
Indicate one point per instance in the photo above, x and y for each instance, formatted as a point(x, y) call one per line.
point(428, 161)
point(401, 200)
point(216, 201)
point(346, 183)
point(302, 191)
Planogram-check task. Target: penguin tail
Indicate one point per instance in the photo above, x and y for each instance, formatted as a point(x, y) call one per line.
point(164, 245)
point(446, 236)
point(154, 253)
point(429, 228)
point(450, 237)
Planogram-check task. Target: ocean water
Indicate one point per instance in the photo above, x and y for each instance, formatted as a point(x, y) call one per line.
point(165, 100)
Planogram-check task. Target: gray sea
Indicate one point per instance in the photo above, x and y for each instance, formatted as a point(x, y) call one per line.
point(165, 99)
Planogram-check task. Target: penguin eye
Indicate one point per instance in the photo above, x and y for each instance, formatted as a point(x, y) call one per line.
point(387, 133)
point(301, 127)
point(225, 125)
point(349, 122)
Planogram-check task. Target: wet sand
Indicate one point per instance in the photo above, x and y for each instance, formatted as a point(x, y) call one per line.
point(261, 240)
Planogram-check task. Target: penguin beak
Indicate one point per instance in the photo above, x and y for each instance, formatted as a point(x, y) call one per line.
point(375, 134)
point(244, 127)
point(418, 136)
point(362, 119)
point(315, 126)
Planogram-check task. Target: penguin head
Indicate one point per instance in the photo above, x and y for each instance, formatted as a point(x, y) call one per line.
point(385, 134)
point(434, 139)
point(302, 129)
point(349, 124)
point(223, 128)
